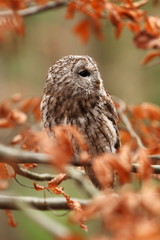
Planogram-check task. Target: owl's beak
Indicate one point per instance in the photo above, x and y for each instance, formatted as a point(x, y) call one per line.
point(96, 82)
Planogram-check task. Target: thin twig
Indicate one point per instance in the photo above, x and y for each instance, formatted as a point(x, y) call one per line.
point(124, 118)
point(84, 184)
point(32, 175)
point(36, 9)
point(72, 174)
point(50, 225)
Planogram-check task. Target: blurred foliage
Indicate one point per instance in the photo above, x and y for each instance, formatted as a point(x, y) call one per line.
point(24, 61)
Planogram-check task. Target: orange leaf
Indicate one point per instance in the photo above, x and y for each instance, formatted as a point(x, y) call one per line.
point(57, 180)
point(145, 165)
point(17, 139)
point(32, 105)
point(71, 9)
point(5, 109)
point(78, 137)
point(5, 123)
point(10, 217)
point(38, 187)
point(17, 116)
point(82, 29)
point(149, 57)
point(3, 171)
point(29, 165)
point(119, 29)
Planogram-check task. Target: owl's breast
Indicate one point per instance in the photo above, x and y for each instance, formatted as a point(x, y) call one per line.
point(90, 116)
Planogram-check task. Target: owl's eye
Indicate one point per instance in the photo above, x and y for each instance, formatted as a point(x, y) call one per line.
point(84, 73)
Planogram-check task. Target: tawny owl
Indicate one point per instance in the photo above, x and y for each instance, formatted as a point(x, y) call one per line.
point(74, 95)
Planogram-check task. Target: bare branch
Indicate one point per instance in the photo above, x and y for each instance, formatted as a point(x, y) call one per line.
point(14, 156)
point(32, 175)
point(36, 9)
point(54, 203)
point(85, 185)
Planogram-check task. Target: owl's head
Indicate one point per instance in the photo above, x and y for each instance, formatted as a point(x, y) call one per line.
point(76, 73)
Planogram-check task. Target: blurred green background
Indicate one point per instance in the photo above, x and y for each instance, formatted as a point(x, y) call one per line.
point(24, 62)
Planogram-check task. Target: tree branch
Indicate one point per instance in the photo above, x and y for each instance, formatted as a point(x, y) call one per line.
point(36, 9)
point(32, 175)
point(54, 203)
point(14, 156)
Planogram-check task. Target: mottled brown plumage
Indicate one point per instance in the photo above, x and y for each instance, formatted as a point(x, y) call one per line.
point(74, 95)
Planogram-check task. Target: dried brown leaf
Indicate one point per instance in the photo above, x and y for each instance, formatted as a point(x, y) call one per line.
point(10, 217)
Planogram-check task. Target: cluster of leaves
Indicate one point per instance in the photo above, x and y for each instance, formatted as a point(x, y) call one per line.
point(127, 212)
point(124, 13)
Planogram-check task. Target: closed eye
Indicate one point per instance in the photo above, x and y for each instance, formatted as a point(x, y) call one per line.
point(84, 73)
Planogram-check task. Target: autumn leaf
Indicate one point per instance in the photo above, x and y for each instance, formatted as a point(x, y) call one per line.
point(29, 165)
point(10, 217)
point(146, 111)
point(17, 139)
point(144, 169)
point(38, 187)
point(57, 180)
point(6, 171)
point(5, 109)
point(17, 117)
point(32, 105)
point(83, 30)
point(150, 56)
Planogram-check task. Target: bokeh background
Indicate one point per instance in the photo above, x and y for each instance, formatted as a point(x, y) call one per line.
point(24, 62)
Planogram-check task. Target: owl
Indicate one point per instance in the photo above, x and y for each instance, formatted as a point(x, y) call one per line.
point(74, 95)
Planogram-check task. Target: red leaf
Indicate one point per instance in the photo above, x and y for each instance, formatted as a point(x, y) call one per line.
point(32, 105)
point(29, 165)
point(82, 29)
point(5, 109)
point(5, 123)
point(38, 187)
point(149, 57)
point(3, 171)
point(17, 139)
point(145, 169)
point(57, 180)
point(71, 9)
point(17, 116)
point(119, 29)
point(10, 217)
